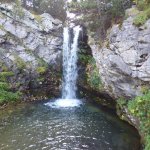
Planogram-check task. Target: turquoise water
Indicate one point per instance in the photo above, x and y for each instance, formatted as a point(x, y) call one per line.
point(40, 127)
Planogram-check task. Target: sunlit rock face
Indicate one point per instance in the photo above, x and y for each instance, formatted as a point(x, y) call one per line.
point(34, 31)
point(124, 60)
point(30, 43)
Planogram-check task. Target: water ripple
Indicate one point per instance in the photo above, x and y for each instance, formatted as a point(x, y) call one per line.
point(78, 128)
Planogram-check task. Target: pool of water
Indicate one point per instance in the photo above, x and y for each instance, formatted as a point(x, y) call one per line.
point(39, 126)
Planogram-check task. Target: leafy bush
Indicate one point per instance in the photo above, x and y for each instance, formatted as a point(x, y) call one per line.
point(141, 5)
point(117, 9)
point(4, 86)
point(20, 62)
point(147, 142)
point(5, 75)
point(88, 4)
point(140, 107)
point(93, 77)
point(144, 15)
point(140, 19)
point(6, 94)
point(121, 102)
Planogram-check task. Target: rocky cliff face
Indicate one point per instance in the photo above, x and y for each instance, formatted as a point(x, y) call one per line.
point(30, 47)
point(124, 60)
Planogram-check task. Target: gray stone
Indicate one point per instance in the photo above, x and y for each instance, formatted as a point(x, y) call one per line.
point(124, 66)
point(25, 46)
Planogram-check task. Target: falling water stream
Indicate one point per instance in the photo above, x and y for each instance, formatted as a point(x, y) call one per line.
point(70, 70)
point(70, 57)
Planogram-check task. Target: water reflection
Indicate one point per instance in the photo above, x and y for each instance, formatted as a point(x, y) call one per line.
point(37, 127)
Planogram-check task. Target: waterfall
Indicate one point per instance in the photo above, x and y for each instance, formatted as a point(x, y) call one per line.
point(70, 70)
point(70, 57)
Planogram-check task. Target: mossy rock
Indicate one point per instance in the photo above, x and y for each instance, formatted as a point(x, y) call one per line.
point(19, 62)
point(41, 70)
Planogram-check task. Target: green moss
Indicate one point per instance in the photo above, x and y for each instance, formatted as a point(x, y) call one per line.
point(144, 15)
point(7, 96)
point(1, 27)
point(93, 77)
point(4, 86)
point(121, 102)
point(6, 93)
point(140, 19)
point(84, 58)
point(40, 79)
point(38, 18)
point(20, 62)
point(41, 62)
point(147, 142)
point(141, 4)
point(5, 75)
point(41, 70)
point(140, 108)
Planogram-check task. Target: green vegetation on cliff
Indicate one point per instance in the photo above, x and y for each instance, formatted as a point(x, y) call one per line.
point(144, 15)
point(139, 107)
point(6, 92)
point(93, 77)
point(83, 5)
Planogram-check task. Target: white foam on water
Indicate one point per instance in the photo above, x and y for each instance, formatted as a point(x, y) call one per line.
point(64, 103)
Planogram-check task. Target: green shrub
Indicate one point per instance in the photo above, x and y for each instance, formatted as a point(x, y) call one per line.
point(87, 4)
point(148, 12)
point(147, 143)
point(140, 19)
point(41, 70)
point(141, 5)
point(4, 86)
point(121, 102)
point(118, 9)
point(140, 108)
point(93, 77)
point(38, 18)
point(5, 75)
point(7, 96)
point(6, 93)
point(20, 62)
point(144, 15)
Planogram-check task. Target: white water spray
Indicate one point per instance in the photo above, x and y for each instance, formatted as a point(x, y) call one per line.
point(70, 70)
